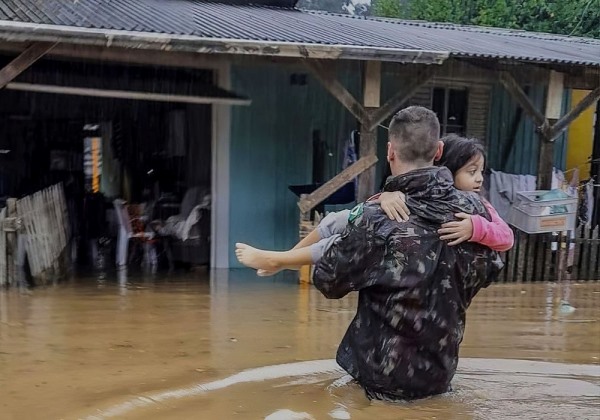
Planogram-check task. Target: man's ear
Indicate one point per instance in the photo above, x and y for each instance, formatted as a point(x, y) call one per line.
point(439, 152)
point(390, 152)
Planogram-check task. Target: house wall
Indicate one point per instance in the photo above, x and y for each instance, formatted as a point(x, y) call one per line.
point(581, 136)
point(271, 140)
point(271, 148)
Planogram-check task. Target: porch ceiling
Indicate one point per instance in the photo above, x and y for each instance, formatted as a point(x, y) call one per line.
point(123, 81)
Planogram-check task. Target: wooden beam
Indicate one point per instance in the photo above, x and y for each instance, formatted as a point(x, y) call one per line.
point(320, 194)
point(368, 134)
point(366, 180)
point(126, 94)
point(511, 85)
point(553, 111)
point(545, 163)
point(23, 61)
point(372, 86)
point(395, 102)
point(129, 56)
point(565, 121)
point(585, 79)
point(325, 74)
point(22, 31)
point(554, 97)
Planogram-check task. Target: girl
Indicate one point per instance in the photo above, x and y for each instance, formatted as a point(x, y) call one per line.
point(464, 157)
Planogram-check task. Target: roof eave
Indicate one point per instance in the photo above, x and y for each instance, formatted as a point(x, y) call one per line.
point(27, 32)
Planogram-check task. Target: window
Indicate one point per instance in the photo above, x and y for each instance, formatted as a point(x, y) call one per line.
point(450, 105)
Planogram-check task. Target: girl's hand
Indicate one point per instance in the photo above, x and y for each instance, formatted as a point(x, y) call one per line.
point(394, 205)
point(459, 231)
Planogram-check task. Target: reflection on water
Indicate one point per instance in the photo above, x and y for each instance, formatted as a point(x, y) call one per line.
point(89, 345)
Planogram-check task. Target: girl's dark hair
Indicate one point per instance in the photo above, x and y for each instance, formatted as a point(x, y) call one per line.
point(458, 151)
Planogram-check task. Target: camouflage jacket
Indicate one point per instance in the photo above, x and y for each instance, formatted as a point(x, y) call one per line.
point(413, 287)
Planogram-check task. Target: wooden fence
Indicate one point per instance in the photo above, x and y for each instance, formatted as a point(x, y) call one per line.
point(548, 257)
point(40, 221)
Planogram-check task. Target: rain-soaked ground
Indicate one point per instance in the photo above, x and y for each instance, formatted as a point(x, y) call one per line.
point(193, 347)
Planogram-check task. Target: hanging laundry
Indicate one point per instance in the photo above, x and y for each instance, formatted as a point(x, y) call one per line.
point(504, 188)
point(558, 179)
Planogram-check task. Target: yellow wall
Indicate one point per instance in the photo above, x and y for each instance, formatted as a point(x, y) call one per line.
point(581, 136)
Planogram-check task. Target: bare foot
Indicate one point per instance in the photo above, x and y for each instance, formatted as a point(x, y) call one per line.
point(255, 258)
point(267, 273)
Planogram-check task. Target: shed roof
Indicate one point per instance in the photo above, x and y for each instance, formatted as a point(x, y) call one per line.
point(262, 28)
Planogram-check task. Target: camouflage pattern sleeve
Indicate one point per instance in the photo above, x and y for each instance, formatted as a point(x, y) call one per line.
point(353, 261)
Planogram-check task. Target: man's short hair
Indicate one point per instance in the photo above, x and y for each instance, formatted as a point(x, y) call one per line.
point(414, 133)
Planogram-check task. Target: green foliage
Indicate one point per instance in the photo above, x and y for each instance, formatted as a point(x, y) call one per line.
point(573, 17)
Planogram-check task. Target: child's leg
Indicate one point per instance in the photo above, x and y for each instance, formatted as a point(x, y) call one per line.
point(273, 261)
point(270, 262)
point(333, 223)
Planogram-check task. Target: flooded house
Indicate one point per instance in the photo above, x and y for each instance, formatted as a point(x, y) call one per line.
point(233, 108)
point(181, 127)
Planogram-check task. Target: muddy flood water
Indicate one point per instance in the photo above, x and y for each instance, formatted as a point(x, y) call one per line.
point(232, 346)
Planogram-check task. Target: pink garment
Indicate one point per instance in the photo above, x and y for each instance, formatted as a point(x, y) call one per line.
point(496, 234)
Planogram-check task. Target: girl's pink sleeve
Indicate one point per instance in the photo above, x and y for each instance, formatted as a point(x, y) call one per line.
point(495, 234)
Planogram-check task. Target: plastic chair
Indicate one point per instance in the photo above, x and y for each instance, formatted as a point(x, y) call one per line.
point(126, 233)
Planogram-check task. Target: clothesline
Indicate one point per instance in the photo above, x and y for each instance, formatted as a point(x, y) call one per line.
point(582, 164)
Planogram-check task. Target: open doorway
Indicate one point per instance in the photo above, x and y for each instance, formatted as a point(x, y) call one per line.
point(58, 126)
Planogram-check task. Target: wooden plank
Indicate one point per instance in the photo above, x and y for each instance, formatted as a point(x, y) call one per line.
point(478, 105)
point(553, 110)
point(368, 132)
point(22, 212)
point(23, 61)
point(565, 121)
point(594, 260)
point(3, 252)
point(125, 55)
point(372, 84)
point(335, 183)
point(515, 91)
point(11, 243)
point(126, 94)
point(366, 180)
point(326, 75)
point(396, 101)
point(554, 97)
point(167, 42)
point(545, 164)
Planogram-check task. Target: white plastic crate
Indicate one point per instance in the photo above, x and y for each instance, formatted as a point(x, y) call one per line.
point(532, 215)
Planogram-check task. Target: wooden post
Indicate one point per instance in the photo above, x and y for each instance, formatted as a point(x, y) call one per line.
point(396, 101)
point(368, 135)
point(11, 243)
point(554, 99)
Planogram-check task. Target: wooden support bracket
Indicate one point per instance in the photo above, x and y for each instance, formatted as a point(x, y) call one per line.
point(23, 61)
point(380, 114)
point(326, 75)
point(320, 194)
point(548, 126)
point(584, 104)
point(511, 85)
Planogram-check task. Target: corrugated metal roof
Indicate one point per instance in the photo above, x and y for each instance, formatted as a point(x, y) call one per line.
point(210, 20)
